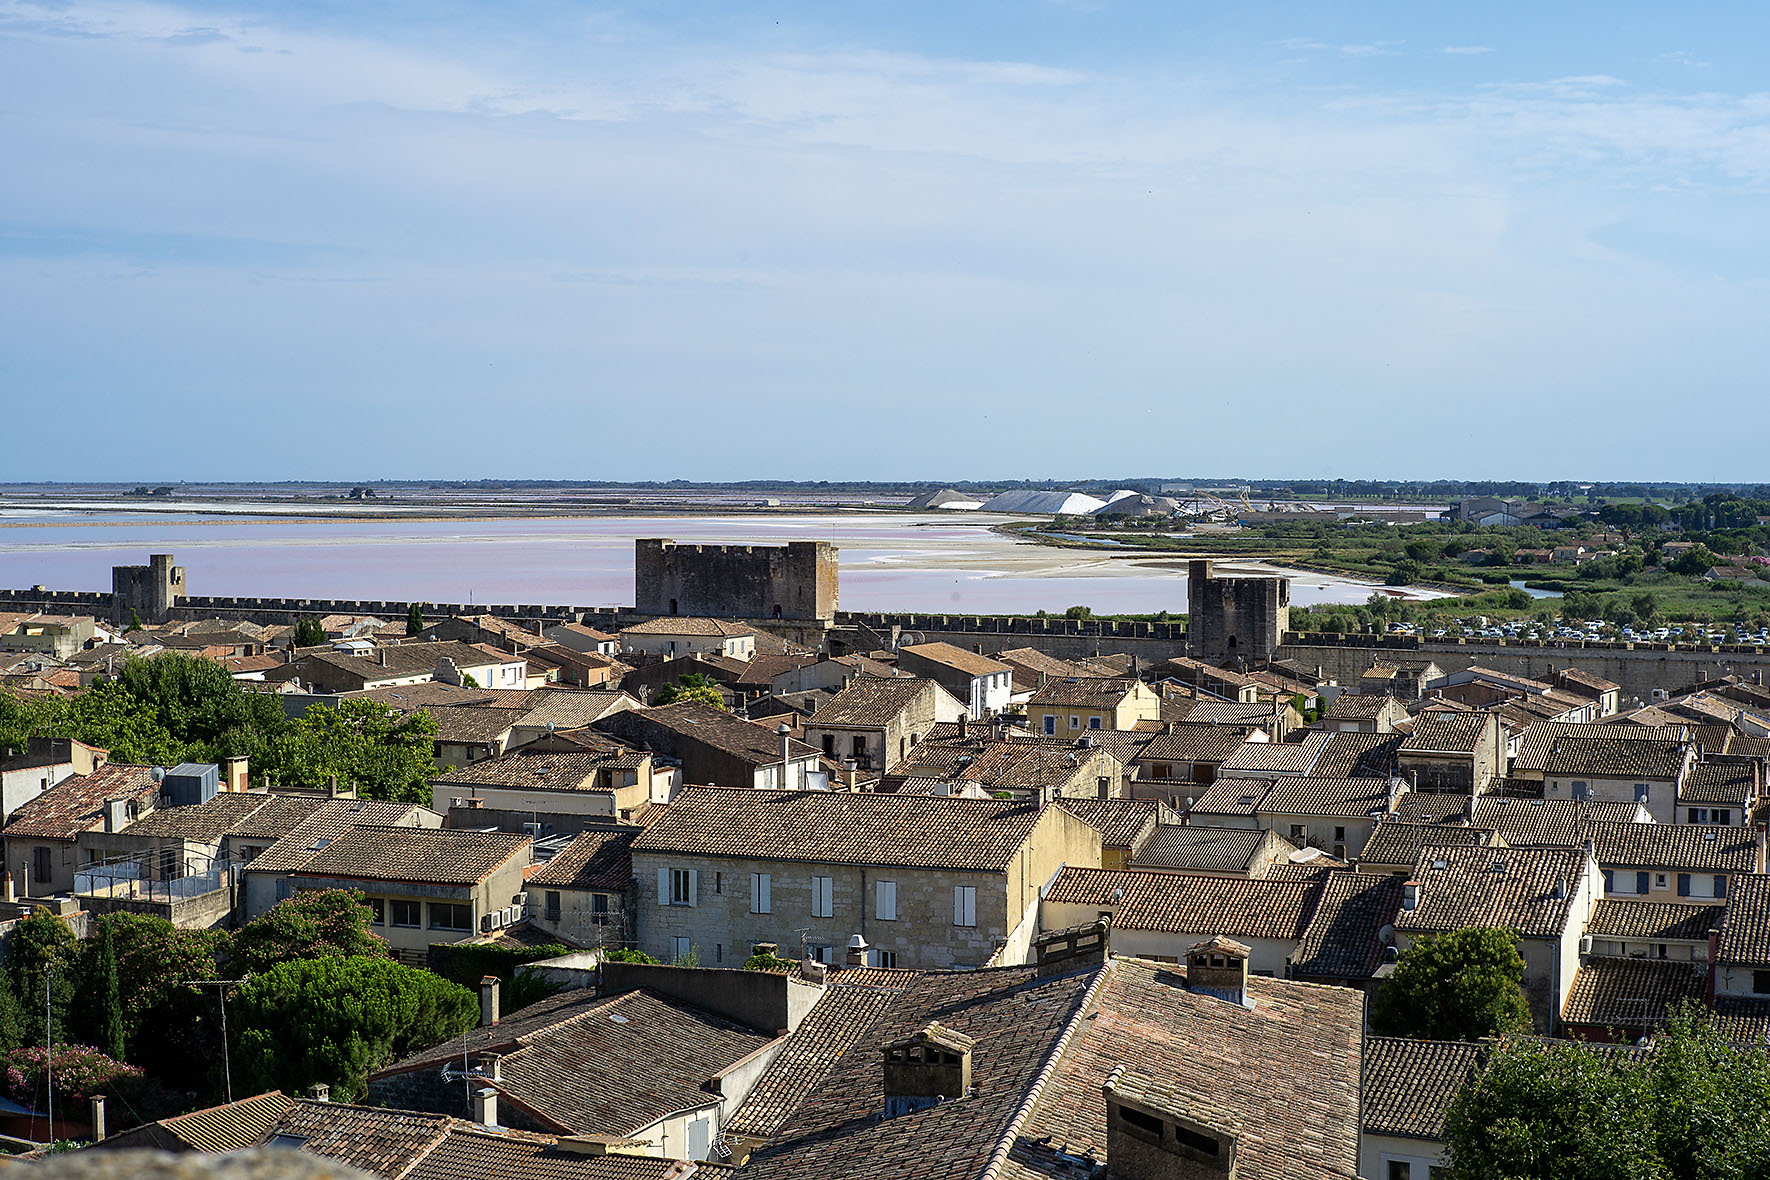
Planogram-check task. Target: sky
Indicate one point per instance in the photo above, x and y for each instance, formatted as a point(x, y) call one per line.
point(870, 240)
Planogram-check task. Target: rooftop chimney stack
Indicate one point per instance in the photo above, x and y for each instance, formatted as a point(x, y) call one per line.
point(1156, 1132)
point(320, 1092)
point(485, 1107)
point(1410, 895)
point(786, 736)
point(926, 1068)
point(857, 951)
point(1219, 967)
point(488, 1001)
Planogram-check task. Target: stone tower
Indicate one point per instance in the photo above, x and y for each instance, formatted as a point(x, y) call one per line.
point(794, 581)
point(150, 590)
point(1235, 619)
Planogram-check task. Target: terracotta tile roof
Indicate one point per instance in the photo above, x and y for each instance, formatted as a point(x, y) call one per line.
point(1521, 823)
point(837, 828)
point(468, 1152)
point(1506, 887)
point(1082, 693)
point(1631, 994)
point(1745, 932)
point(76, 804)
point(1256, 758)
point(1284, 1074)
point(956, 658)
point(279, 816)
point(1122, 823)
point(702, 723)
point(408, 659)
point(1742, 1020)
point(1358, 755)
point(1351, 798)
point(472, 724)
point(439, 856)
point(232, 1126)
point(1188, 848)
point(689, 626)
point(1232, 796)
point(872, 700)
point(207, 822)
point(500, 1037)
point(1539, 740)
point(1344, 937)
point(597, 858)
point(1609, 758)
point(1190, 742)
point(407, 697)
point(631, 1060)
point(1232, 712)
point(1721, 780)
point(841, 1018)
point(326, 823)
point(1016, 1020)
point(1658, 920)
point(1352, 706)
point(1398, 842)
point(1409, 1085)
point(1715, 848)
point(1182, 903)
point(547, 769)
point(1446, 733)
point(379, 1142)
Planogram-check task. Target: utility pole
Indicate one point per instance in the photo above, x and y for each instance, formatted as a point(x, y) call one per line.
point(227, 1065)
point(49, 1050)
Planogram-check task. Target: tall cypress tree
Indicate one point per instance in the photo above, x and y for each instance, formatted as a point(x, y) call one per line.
point(414, 619)
point(105, 997)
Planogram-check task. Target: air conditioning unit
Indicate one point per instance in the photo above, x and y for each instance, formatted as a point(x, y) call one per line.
point(1585, 944)
point(520, 899)
point(485, 923)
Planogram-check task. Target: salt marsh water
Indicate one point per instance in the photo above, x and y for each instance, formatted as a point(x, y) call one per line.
point(890, 561)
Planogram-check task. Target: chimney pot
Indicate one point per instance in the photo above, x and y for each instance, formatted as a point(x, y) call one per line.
point(320, 1092)
point(485, 1107)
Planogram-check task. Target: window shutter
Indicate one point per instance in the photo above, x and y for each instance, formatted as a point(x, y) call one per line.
point(958, 905)
point(1720, 885)
point(1683, 884)
point(1640, 882)
point(886, 910)
point(694, 886)
point(664, 886)
point(1609, 881)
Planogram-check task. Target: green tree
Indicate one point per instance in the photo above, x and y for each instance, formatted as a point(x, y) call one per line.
point(695, 686)
point(1459, 986)
point(336, 1020)
point(414, 619)
point(134, 621)
point(43, 953)
point(309, 633)
point(314, 924)
point(389, 754)
point(1079, 612)
point(1694, 1107)
point(100, 1000)
point(168, 1025)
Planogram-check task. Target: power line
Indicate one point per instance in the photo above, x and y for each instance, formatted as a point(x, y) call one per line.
point(227, 1064)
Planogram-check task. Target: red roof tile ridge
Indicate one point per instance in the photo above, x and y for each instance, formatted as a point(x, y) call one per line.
point(1005, 1144)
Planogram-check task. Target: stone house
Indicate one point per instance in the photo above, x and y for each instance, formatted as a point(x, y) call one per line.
point(582, 638)
point(669, 638)
point(713, 747)
point(1336, 815)
point(1125, 825)
point(453, 662)
point(927, 882)
point(1356, 713)
point(44, 762)
point(876, 721)
point(1033, 769)
point(42, 837)
point(983, 684)
point(1650, 773)
point(1063, 708)
point(1185, 759)
point(1688, 863)
point(561, 781)
point(425, 885)
point(1545, 896)
point(1454, 752)
point(1721, 790)
point(1408, 1087)
point(584, 892)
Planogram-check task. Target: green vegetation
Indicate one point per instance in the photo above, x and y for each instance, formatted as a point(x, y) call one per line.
point(309, 633)
point(695, 686)
point(314, 924)
point(336, 1020)
point(1460, 986)
point(1695, 1107)
point(622, 955)
point(414, 619)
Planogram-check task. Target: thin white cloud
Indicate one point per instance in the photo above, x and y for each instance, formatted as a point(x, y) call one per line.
point(1680, 58)
point(1467, 50)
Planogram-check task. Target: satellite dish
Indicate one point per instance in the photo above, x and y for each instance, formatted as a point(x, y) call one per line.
point(158, 774)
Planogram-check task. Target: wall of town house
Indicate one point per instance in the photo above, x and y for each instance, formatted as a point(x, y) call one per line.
point(721, 927)
point(1662, 802)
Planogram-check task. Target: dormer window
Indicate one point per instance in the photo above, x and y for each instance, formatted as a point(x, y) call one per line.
point(929, 1067)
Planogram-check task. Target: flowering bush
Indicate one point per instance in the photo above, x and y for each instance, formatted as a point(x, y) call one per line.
point(80, 1072)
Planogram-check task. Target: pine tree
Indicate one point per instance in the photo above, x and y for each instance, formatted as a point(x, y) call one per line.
point(414, 619)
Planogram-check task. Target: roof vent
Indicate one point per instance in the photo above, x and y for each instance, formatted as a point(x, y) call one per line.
point(1154, 1129)
point(1219, 967)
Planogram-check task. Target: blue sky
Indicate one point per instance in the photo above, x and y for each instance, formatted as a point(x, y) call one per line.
point(885, 240)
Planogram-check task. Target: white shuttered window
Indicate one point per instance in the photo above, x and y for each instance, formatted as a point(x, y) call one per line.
point(823, 896)
point(886, 908)
point(761, 894)
point(964, 905)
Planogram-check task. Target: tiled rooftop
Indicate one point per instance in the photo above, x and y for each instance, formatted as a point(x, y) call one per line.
point(597, 858)
point(1655, 920)
point(1344, 937)
point(1631, 994)
point(1122, 823)
point(438, 856)
point(872, 701)
point(1506, 887)
point(76, 804)
point(1201, 849)
point(1715, 848)
point(1409, 1084)
point(1745, 932)
point(957, 658)
point(1184, 903)
point(1446, 733)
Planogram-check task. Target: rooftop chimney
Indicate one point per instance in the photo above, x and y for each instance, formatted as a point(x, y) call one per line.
point(488, 1001)
point(931, 1066)
point(1157, 1131)
point(98, 1128)
point(1410, 895)
point(1219, 967)
point(786, 736)
point(485, 1106)
point(234, 773)
point(964, 724)
point(1077, 948)
point(857, 951)
point(320, 1092)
